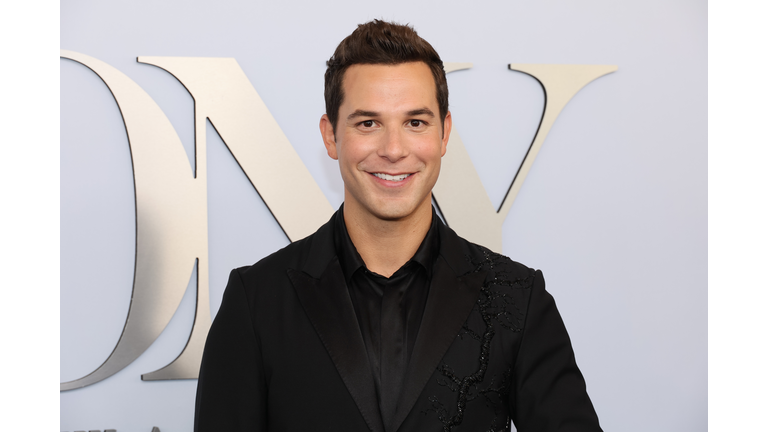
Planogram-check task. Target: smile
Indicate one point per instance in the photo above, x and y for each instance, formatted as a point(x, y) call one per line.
point(396, 178)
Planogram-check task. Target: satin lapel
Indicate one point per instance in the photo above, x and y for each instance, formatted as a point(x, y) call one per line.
point(451, 298)
point(329, 308)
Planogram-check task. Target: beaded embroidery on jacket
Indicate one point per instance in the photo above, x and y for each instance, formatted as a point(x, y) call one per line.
point(499, 313)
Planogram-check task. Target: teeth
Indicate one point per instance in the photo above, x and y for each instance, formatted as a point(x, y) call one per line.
point(383, 176)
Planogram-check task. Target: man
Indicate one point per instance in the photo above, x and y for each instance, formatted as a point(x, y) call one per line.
point(385, 319)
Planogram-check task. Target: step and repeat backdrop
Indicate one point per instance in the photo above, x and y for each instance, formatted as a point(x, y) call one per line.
point(190, 146)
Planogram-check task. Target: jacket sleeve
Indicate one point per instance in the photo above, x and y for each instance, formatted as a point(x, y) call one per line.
point(549, 392)
point(231, 389)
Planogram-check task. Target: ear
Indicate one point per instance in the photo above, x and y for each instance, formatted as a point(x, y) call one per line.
point(329, 138)
point(447, 124)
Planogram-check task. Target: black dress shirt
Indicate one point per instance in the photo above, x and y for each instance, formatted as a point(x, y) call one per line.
point(388, 310)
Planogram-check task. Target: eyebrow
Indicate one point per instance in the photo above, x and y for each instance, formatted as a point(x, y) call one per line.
point(362, 113)
point(416, 112)
point(421, 111)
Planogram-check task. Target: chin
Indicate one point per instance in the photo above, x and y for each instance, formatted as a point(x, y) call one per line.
point(392, 216)
point(388, 214)
point(395, 211)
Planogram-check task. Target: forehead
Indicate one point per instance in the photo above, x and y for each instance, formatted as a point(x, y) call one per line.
point(406, 83)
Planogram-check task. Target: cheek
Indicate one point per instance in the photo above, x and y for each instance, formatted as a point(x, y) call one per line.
point(354, 154)
point(347, 158)
point(349, 165)
point(431, 153)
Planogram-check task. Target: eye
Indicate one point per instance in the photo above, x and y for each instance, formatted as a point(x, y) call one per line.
point(415, 123)
point(367, 123)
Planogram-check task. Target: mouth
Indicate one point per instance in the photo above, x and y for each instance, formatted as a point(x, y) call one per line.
point(395, 178)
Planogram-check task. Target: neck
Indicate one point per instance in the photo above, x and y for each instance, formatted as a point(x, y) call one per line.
point(385, 245)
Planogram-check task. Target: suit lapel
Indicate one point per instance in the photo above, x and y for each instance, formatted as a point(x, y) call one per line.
point(452, 294)
point(325, 299)
point(324, 295)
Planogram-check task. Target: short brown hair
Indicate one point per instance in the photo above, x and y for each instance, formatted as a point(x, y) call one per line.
point(381, 42)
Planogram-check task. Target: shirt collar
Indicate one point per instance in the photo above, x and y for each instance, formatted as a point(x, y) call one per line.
point(351, 260)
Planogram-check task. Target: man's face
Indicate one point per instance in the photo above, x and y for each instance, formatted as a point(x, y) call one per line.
point(389, 140)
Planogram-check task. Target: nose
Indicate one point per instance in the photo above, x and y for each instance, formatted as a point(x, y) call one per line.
point(393, 146)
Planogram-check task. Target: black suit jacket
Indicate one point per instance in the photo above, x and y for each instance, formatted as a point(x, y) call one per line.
point(285, 352)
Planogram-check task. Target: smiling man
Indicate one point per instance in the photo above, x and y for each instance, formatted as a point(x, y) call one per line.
point(388, 137)
point(385, 319)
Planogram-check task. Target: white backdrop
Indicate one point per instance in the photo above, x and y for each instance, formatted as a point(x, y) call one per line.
point(613, 211)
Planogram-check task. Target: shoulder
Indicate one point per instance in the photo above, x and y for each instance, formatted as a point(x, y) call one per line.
point(472, 257)
point(272, 268)
point(310, 255)
point(503, 269)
